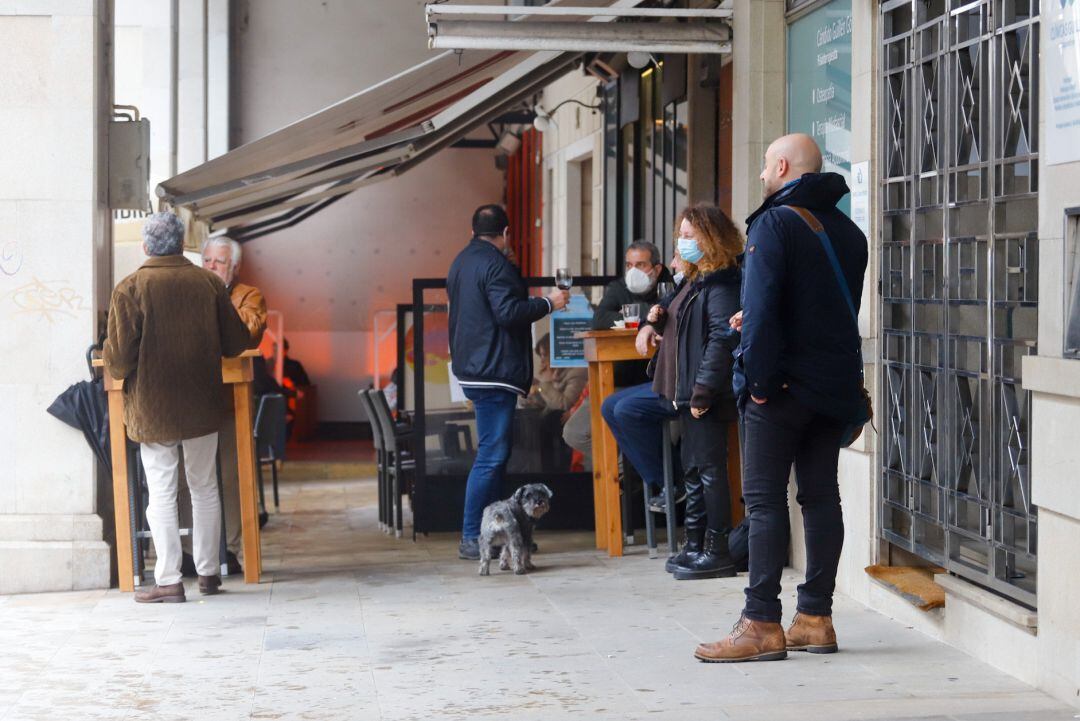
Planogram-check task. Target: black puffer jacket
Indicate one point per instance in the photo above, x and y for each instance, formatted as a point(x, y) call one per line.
point(490, 318)
point(707, 343)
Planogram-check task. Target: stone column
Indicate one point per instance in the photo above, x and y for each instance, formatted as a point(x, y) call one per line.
point(1055, 409)
point(54, 281)
point(758, 48)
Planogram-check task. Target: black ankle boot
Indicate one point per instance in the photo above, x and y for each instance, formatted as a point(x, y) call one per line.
point(691, 547)
point(714, 561)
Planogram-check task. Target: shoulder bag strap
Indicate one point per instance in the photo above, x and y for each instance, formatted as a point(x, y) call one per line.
point(826, 244)
point(819, 230)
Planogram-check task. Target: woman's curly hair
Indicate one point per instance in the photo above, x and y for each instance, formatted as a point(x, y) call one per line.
point(720, 241)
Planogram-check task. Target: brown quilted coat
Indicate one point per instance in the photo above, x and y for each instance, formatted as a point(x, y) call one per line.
point(170, 324)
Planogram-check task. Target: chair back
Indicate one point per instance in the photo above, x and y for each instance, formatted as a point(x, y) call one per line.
point(270, 427)
point(386, 421)
point(373, 418)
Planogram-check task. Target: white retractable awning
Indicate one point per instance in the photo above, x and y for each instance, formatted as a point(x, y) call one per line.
point(704, 30)
point(378, 132)
point(292, 173)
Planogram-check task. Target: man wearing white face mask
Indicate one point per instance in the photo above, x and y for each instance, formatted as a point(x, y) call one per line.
point(644, 268)
point(635, 413)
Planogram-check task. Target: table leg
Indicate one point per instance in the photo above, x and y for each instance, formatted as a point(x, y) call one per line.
point(598, 428)
point(245, 455)
point(610, 479)
point(125, 562)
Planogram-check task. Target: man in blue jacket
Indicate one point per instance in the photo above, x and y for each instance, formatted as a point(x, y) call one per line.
point(491, 315)
point(800, 389)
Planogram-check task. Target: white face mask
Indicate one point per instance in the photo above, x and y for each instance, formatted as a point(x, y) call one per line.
point(638, 281)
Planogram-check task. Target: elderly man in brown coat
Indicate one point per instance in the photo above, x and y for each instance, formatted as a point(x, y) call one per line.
point(170, 324)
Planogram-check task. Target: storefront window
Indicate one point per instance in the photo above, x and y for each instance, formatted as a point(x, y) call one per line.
point(648, 154)
point(611, 171)
point(1072, 294)
point(629, 183)
point(651, 187)
point(681, 171)
point(666, 203)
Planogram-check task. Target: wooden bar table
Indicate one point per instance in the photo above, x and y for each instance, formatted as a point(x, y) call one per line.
point(603, 349)
point(236, 372)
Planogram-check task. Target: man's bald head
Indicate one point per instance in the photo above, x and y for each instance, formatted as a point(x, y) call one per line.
point(789, 157)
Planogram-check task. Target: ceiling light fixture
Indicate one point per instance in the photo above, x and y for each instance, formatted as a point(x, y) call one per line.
point(639, 60)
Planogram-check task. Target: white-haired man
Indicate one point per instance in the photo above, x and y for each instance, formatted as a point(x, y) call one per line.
point(170, 324)
point(221, 256)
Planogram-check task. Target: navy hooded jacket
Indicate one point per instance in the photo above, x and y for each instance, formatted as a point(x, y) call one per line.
point(491, 315)
point(797, 328)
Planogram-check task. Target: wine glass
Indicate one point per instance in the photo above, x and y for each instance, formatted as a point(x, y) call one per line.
point(664, 288)
point(564, 280)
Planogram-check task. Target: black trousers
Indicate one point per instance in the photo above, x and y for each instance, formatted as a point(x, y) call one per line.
point(776, 435)
point(704, 455)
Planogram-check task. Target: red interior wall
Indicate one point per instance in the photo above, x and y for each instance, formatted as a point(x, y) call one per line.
point(524, 202)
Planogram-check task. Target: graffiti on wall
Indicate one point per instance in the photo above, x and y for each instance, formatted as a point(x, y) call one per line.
point(49, 300)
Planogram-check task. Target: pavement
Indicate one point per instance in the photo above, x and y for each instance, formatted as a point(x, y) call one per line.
point(352, 624)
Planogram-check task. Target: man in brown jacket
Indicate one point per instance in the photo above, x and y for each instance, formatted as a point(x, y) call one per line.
point(170, 324)
point(221, 256)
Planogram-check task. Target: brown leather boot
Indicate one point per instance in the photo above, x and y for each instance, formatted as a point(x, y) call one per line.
point(749, 641)
point(209, 585)
point(170, 593)
point(814, 634)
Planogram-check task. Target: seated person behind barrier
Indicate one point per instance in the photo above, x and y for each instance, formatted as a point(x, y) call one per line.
point(300, 394)
point(554, 392)
point(577, 431)
point(293, 370)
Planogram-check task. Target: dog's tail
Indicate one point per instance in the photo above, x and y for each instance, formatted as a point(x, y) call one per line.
point(499, 521)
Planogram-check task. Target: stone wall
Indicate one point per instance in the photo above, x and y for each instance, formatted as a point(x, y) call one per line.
point(54, 96)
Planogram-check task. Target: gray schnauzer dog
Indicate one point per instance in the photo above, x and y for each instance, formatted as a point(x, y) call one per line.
point(510, 524)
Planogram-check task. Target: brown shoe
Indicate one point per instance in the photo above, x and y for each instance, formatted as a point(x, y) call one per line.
point(749, 641)
point(209, 585)
point(811, 633)
point(171, 593)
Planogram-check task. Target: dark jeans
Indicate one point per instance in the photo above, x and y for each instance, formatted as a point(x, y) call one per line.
point(636, 417)
point(495, 437)
point(704, 459)
point(777, 434)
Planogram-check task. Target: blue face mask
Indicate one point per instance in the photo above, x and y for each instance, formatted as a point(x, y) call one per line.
point(689, 250)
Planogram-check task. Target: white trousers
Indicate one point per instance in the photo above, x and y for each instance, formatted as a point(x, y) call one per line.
point(162, 464)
